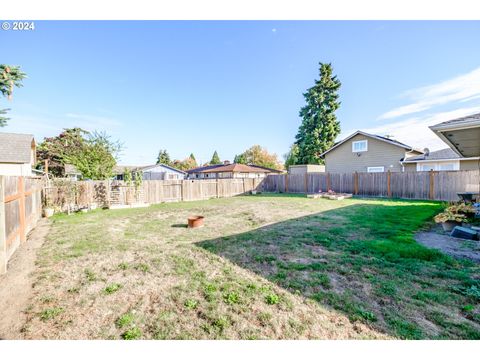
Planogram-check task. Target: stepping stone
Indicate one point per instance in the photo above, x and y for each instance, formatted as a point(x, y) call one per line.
point(464, 233)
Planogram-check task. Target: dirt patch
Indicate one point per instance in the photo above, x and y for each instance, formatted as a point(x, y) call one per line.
point(459, 248)
point(16, 284)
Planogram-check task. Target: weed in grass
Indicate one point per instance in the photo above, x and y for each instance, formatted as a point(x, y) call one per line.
point(123, 266)
point(323, 280)
point(110, 289)
point(132, 334)
point(124, 320)
point(386, 289)
point(231, 298)
point(90, 275)
point(50, 313)
point(142, 267)
point(191, 304)
point(220, 324)
point(272, 299)
point(209, 291)
point(74, 290)
point(46, 299)
point(404, 329)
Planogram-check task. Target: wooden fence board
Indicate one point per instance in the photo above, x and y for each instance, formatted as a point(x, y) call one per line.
point(20, 209)
point(438, 185)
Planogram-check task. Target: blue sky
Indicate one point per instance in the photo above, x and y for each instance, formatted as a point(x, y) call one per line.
point(199, 86)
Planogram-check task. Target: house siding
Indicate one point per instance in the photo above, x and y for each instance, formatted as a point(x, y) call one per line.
point(464, 165)
point(379, 153)
point(16, 169)
point(470, 165)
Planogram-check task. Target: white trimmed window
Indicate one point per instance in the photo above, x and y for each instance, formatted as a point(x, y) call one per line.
point(439, 166)
point(372, 169)
point(359, 146)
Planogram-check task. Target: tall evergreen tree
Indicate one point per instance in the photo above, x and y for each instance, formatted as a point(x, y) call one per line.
point(215, 159)
point(163, 158)
point(10, 77)
point(319, 126)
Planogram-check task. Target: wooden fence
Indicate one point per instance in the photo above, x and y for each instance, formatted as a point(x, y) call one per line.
point(433, 185)
point(20, 209)
point(77, 194)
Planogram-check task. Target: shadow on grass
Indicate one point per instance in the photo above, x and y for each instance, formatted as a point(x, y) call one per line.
point(362, 260)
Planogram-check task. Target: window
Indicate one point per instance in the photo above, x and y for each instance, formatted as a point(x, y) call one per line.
point(372, 169)
point(439, 166)
point(359, 146)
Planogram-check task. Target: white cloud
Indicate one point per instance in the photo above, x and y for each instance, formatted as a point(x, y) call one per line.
point(458, 89)
point(415, 131)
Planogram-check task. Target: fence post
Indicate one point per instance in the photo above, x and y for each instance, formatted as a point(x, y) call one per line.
point(306, 183)
point(286, 183)
point(216, 188)
point(328, 182)
point(182, 190)
point(432, 185)
point(355, 183)
point(389, 188)
point(21, 208)
point(3, 230)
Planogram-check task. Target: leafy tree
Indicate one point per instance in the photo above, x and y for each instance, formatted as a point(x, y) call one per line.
point(215, 159)
point(93, 154)
point(291, 158)
point(97, 157)
point(10, 77)
point(319, 126)
point(54, 149)
point(163, 158)
point(240, 159)
point(257, 155)
point(185, 164)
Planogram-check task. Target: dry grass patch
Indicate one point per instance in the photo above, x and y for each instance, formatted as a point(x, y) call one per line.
point(263, 267)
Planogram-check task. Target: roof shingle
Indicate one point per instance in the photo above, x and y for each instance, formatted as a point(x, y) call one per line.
point(16, 148)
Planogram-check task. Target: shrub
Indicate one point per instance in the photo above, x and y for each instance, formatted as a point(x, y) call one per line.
point(272, 299)
point(124, 320)
point(231, 298)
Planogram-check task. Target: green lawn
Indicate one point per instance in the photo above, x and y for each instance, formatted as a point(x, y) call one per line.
point(263, 267)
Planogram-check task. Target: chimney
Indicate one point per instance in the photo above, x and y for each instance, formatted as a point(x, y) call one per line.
point(226, 162)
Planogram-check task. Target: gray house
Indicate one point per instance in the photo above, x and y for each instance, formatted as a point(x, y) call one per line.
point(363, 152)
point(151, 172)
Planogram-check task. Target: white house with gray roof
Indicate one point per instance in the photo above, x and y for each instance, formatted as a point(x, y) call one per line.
point(440, 160)
point(17, 154)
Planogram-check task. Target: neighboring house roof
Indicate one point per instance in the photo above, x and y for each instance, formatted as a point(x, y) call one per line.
point(148, 167)
point(203, 168)
point(71, 170)
point(265, 168)
point(462, 121)
point(16, 148)
point(237, 168)
point(378, 137)
point(120, 169)
point(444, 154)
point(461, 134)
